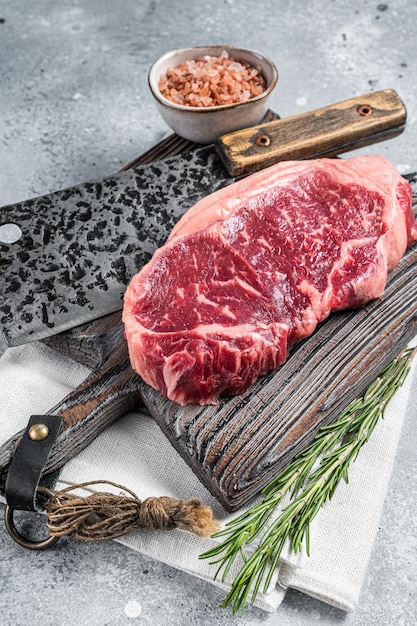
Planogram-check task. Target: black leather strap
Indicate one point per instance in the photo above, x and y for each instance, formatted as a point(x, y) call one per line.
point(28, 462)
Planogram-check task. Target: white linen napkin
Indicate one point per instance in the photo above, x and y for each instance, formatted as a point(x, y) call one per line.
point(133, 452)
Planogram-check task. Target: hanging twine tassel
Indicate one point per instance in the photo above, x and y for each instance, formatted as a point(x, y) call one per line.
point(102, 516)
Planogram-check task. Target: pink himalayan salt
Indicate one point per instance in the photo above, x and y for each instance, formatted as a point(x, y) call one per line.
point(212, 81)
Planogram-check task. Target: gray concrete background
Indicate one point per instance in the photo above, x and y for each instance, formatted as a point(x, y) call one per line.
point(74, 106)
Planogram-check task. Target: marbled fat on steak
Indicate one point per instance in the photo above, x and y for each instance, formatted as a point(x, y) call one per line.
point(254, 267)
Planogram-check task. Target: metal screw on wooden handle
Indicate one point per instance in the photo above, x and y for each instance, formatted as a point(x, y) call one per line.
point(365, 109)
point(263, 141)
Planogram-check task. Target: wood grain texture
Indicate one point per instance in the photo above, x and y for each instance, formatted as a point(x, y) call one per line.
point(325, 132)
point(90, 344)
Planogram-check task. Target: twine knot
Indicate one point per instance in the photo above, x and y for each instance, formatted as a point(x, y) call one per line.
point(101, 516)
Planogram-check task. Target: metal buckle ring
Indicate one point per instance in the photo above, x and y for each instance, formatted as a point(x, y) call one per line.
point(23, 541)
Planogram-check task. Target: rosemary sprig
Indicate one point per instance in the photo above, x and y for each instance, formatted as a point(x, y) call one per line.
point(309, 486)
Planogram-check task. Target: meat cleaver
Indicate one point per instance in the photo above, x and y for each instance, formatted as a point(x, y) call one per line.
point(78, 248)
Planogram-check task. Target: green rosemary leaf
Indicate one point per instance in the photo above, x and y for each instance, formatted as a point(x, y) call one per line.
point(309, 484)
point(258, 580)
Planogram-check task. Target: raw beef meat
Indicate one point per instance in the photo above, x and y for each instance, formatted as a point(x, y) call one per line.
point(254, 267)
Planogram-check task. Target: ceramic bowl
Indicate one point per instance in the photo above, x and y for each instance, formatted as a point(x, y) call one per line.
point(205, 124)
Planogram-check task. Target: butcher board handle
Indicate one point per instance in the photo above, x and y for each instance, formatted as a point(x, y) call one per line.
point(108, 393)
point(324, 132)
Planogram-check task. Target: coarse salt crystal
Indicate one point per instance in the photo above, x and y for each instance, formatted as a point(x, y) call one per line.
point(212, 81)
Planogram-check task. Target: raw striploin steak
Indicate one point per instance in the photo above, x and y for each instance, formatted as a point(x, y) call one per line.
point(253, 268)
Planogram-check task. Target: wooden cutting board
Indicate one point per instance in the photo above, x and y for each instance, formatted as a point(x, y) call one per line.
point(237, 447)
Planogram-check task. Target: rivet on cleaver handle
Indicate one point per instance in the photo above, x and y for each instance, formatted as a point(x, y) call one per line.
point(324, 132)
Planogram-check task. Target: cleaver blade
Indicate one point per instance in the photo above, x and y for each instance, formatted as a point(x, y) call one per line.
point(79, 247)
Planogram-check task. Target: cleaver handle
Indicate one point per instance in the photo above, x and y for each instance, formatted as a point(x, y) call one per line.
point(324, 132)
